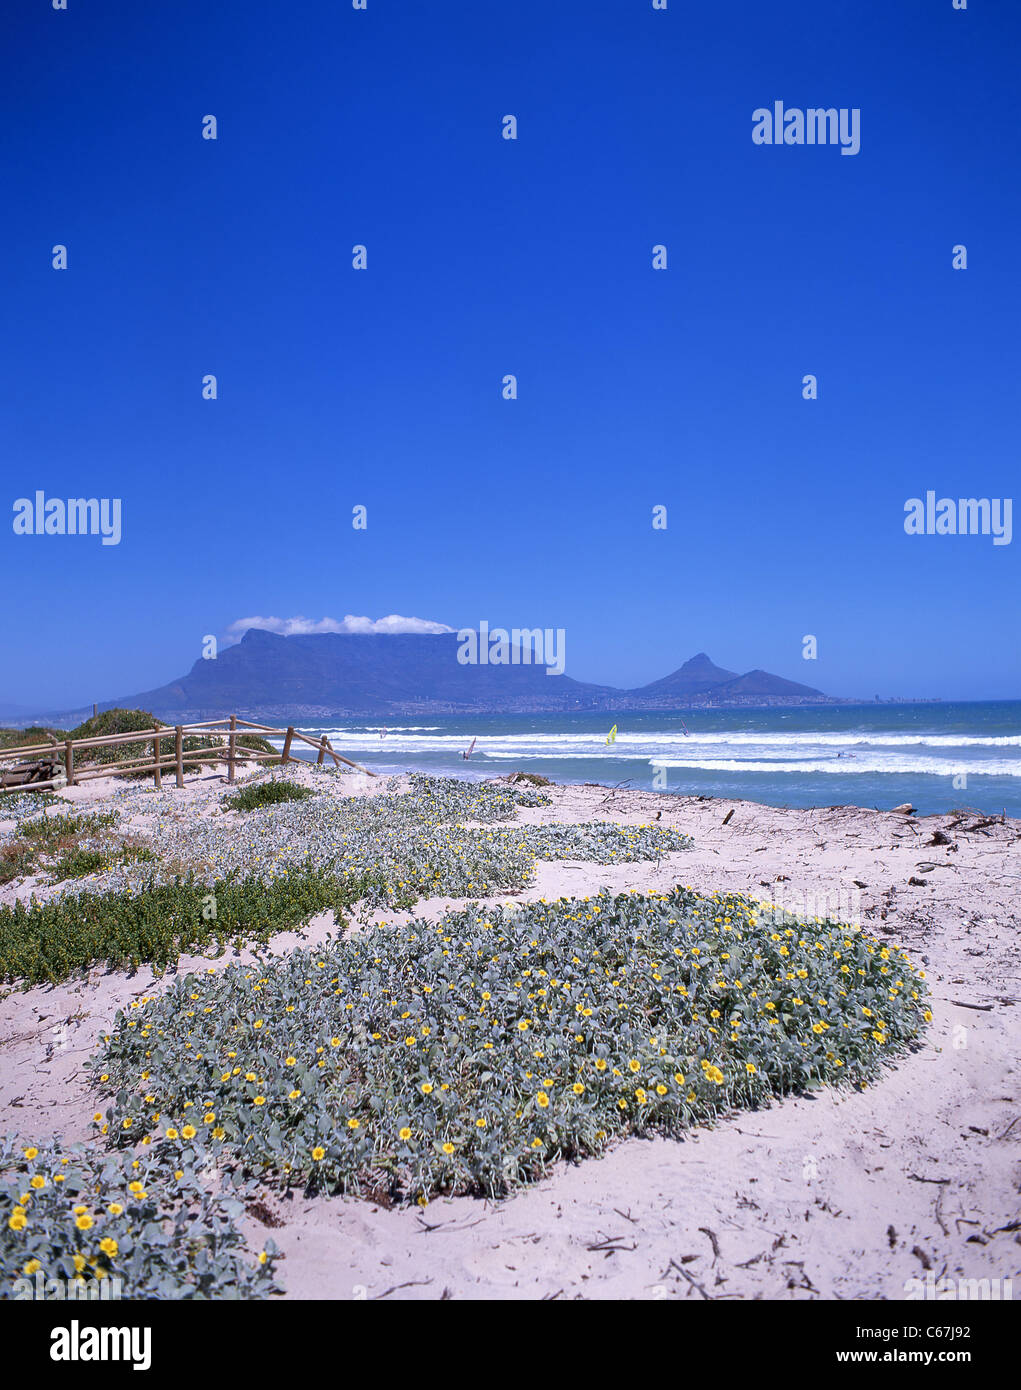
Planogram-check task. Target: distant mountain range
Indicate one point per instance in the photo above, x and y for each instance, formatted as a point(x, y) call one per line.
point(311, 677)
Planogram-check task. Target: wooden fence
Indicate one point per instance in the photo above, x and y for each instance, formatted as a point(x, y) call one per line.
point(46, 757)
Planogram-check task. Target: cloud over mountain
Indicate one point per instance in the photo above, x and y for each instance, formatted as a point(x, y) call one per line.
point(298, 626)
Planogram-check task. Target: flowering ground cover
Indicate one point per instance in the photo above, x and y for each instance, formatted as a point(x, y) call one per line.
point(406, 1061)
point(207, 883)
point(80, 1217)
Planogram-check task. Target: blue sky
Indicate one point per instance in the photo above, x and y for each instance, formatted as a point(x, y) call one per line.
point(485, 257)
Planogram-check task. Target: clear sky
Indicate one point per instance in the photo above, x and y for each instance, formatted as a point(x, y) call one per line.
point(636, 387)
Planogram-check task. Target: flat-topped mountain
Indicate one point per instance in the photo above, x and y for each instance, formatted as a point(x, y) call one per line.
point(309, 677)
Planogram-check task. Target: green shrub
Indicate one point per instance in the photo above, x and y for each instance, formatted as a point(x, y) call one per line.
point(48, 941)
point(17, 860)
point(20, 856)
point(469, 1054)
point(74, 1215)
point(268, 794)
point(47, 831)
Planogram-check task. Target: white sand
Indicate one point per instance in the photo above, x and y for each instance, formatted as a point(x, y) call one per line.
point(841, 1196)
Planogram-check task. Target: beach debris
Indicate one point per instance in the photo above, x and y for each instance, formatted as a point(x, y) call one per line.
point(905, 809)
point(726, 818)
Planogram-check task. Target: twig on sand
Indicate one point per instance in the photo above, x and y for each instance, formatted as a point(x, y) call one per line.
point(684, 1273)
point(446, 1227)
point(409, 1283)
point(611, 1245)
point(939, 1212)
point(915, 1178)
point(712, 1241)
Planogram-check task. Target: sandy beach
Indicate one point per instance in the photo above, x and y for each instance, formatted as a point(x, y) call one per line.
point(840, 1196)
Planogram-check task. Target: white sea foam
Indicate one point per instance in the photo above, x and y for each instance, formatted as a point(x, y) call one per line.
point(839, 767)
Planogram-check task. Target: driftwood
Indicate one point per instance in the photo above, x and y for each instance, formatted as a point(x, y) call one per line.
point(27, 774)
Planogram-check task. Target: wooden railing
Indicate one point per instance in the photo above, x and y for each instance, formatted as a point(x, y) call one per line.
point(230, 752)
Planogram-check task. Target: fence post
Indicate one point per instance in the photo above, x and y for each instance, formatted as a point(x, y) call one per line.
point(231, 743)
point(157, 780)
point(285, 756)
point(178, 740)
point(322, 752)
point(69, 761)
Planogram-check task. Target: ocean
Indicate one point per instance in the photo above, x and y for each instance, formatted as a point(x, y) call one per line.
point(937, 756)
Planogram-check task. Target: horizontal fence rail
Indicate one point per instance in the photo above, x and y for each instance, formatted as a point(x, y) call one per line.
point(45, 758)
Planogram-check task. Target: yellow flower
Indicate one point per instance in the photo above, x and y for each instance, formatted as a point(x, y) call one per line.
point(108, 1246)
point(578, 1088)
point(448, 1148)
point(31, 1267)
point(136, 1188)
point(480, 1124)
point(542, 1100)
point(84, 1223)
point(353, 1123)
point(115, 1208)
point(37, 1181)
point(171, 1133)
point(189, 1132)
point(259, 1100)
point(634, 1066)
point(18, 1221)
point(34, 1153)
point(404, 1133)
point(318, 1153)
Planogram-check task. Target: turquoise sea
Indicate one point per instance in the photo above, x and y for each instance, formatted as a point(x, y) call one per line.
point(937, 756)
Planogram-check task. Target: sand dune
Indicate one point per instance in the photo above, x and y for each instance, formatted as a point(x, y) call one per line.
point(848, 1195)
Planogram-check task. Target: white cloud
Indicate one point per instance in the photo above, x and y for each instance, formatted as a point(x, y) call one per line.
point(290, 627)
